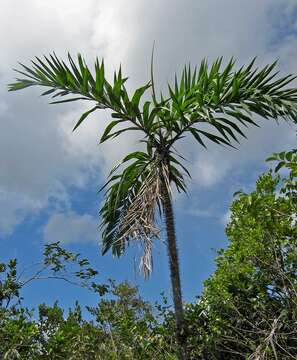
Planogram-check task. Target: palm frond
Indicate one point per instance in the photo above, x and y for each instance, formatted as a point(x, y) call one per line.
point(129, 212)
point(226, 99)
point(75, 81)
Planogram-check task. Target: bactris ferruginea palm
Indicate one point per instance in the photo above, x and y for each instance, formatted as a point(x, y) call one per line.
point(138, 191)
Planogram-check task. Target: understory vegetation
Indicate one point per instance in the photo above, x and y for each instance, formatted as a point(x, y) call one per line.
point(247, 310)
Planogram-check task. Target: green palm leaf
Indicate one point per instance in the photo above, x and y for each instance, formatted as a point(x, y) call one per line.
point(226, 98)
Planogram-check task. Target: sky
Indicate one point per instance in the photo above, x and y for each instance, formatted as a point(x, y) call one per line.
point(49, 176)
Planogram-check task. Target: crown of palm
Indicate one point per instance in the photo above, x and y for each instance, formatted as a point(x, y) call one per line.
point(221, 97)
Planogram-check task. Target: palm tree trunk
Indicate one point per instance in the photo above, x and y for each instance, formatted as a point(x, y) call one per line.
point(181, 331)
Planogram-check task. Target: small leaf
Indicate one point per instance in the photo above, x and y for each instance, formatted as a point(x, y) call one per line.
point(50, 91)
point(279, 166)
point(289, 156)
point(84, 115)
point(138, 94)
point(68, 100)
point(196, 135)
point(108, 129)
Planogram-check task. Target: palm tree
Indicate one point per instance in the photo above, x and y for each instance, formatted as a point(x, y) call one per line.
point(220, 97)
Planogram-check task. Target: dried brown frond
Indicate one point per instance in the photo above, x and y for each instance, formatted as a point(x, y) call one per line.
point(139, 222)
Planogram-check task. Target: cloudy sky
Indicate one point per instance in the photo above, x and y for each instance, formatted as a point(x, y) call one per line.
point(49, 176)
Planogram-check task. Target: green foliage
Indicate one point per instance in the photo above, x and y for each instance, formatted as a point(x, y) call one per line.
point(248, 307)
point(122, 325)
point(9, 284)
point(287, 161)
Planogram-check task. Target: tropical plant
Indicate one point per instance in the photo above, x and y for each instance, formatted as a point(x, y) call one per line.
point(217, 97)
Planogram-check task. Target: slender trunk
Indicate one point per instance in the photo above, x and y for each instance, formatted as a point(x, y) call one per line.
point(181, 331)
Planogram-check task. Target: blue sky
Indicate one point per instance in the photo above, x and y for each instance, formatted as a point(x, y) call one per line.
point(49, 176)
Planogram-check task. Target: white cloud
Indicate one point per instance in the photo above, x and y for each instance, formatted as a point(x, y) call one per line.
point(211, 167)
point(212, 212)
point(14, 208)
point(41, 158)
point(205, 213)
point(71, 228)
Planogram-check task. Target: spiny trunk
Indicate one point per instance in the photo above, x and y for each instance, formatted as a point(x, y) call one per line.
point(181, 331)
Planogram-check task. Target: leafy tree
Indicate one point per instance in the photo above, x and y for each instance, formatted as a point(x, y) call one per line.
point(248, 307)
point(218, 97)
point(122, 325)
point(20, 335)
